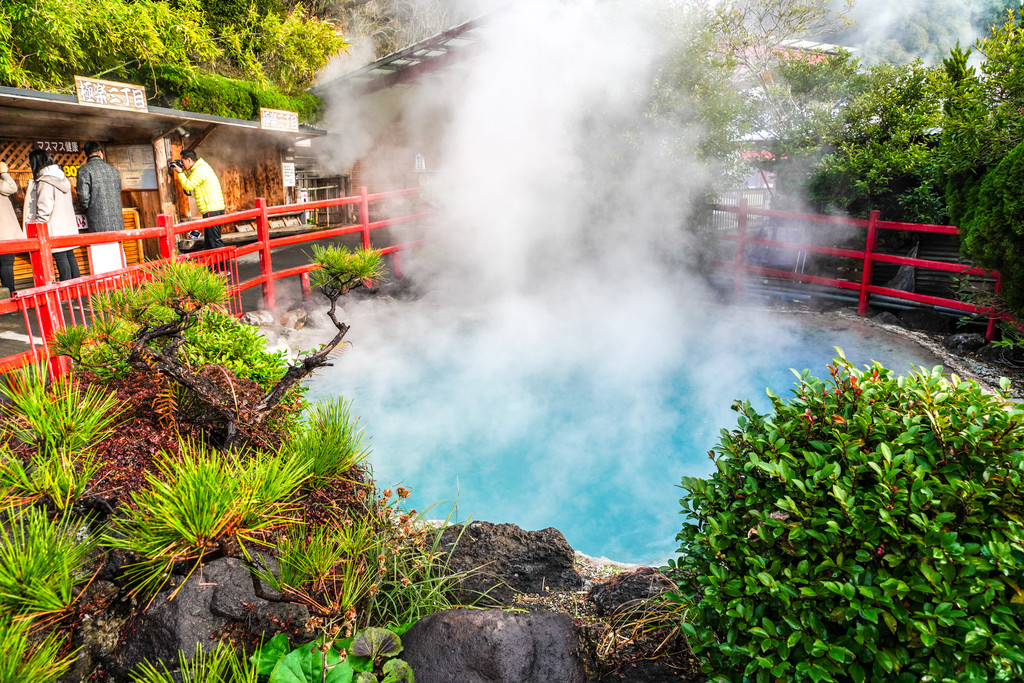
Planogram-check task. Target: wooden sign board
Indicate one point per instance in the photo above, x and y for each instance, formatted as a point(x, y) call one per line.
point(110, 95)
point(279, 119)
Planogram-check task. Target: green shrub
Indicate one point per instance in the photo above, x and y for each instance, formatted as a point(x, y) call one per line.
point(197, 90)
point(871, 527)
point(217, 95)
point(307, 105)
point(220, 339)
point(993, 225)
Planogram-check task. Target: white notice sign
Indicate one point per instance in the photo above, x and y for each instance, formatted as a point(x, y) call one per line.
point(288, 171)
point(104, 258)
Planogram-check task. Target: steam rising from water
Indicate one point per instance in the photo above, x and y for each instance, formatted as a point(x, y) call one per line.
point(560, 294)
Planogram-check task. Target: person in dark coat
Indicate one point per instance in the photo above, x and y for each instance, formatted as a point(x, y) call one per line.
point(99, 191)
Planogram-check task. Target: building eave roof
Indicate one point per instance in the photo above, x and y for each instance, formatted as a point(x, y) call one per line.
point(407, 64)
point(36, 113)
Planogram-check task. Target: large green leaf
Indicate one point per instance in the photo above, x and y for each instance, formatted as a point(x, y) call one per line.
point(266, 658)
point(376, 642)
point(397, 671)
point(306, 665)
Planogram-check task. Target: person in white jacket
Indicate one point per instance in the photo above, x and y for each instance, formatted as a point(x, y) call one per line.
point(10, 229)
point(48, 198)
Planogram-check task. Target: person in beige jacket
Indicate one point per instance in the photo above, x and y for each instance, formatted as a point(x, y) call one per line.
point(10, 228)
point(48, 198)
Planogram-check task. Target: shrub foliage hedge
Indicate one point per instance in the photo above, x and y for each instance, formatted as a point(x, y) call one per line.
point(870, 527)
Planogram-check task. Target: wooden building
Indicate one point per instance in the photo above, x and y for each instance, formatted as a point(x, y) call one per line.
point(250, 161)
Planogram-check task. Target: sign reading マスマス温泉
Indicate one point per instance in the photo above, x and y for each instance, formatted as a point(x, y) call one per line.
point(279, 119)
point(111, 95)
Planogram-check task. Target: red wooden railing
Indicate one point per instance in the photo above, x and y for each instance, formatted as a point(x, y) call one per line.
point(868, 257)
point(51, 306)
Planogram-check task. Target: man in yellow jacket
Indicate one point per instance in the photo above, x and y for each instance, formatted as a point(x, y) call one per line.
point(197, 176)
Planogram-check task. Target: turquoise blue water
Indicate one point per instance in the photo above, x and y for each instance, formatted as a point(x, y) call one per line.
point(591, 443)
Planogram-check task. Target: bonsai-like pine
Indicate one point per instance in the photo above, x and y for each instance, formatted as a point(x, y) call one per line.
point(147, 329)
point(339, 273)
point(871, 527)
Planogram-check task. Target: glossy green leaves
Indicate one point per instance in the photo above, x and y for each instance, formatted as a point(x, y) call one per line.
point(870, 527)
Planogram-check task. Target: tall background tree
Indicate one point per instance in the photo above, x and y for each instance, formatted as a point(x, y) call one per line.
point(879, 150)
point(902, 32)
point(763, 41)
point(227, 58)
point(982, 151)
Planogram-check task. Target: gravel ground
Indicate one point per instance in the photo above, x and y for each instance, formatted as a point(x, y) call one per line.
point(985, 372)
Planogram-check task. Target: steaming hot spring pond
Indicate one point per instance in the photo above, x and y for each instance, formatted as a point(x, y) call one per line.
point(562, 423)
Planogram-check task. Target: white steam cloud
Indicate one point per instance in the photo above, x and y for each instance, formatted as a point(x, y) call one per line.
point(561, 311)
point(883, 30)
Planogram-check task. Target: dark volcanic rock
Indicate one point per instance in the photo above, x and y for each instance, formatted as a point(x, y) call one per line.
point(501, 560)
point(1002, 355)
point(964, 343)
point(625, 591)
point(927, 321)
point(172, 625)
point(491, 646)
point(219, 599)
point(886, 318)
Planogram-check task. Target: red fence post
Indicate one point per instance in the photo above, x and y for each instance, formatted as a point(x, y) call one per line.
point(48, 308)
point(990, 331)
point(266, 266)
point(42, 260)
point(364, 216)
point(167, 242)
point(741, 246)
point(865, 275)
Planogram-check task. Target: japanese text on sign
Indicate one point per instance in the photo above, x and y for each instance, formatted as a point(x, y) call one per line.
point(57, 146)
point(279, 119)
point(109, 94)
